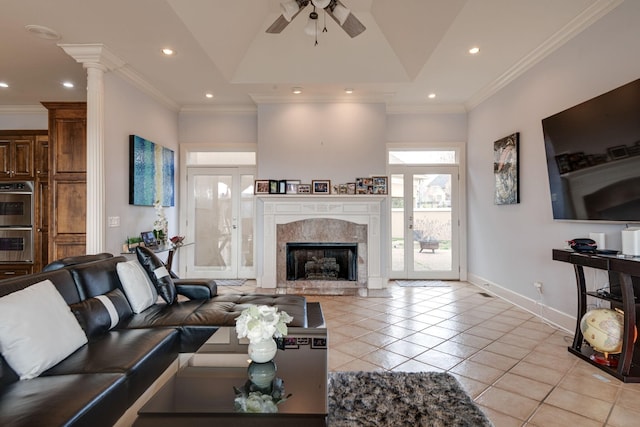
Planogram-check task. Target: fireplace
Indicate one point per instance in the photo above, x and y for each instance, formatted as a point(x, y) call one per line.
point(326, 219)
point(322, 261)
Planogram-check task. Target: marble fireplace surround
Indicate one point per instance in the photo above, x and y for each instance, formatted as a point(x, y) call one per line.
point(343, 218)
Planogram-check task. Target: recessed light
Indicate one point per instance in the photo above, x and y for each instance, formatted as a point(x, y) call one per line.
point(431, 96)
point(168, 51)
point(348, 90)
point(474, 50)
point(208, 95)
point(297, 90)
point(3, 84)
point(67, 84)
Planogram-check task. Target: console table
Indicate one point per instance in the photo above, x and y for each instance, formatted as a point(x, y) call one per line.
point(623, 272)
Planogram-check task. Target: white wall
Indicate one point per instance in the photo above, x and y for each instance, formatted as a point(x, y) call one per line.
point(218, 128)
point(130, 112)
point(36, 118)
point(421, 128)
point(510, 246)
point(338, 142)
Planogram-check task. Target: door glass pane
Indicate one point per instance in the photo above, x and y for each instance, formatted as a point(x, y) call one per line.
point(246, 220)
point(432, 231)
point(221, 158)
point(213, 220)
point(423, 157)
point(397, 222)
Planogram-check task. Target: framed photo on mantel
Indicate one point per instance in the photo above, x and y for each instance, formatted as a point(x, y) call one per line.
point(321, 186)
point(304, 188)
point(261, 186)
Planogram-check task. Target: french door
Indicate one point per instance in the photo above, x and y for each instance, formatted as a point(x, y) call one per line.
point(220, 220)
point(425, 222)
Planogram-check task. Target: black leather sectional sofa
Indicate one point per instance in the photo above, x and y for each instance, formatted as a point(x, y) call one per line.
point(98, 382)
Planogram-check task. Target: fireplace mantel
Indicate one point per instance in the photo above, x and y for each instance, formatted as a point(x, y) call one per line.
point(277, 210)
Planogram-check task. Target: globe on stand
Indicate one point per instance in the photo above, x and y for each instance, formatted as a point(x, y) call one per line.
point(603, 329)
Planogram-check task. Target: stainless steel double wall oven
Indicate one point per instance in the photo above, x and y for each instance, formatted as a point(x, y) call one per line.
point(16, 222)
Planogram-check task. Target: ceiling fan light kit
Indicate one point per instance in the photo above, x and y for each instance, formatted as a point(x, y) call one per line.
point(310, 29)
point(321, 3)
point(334, 8)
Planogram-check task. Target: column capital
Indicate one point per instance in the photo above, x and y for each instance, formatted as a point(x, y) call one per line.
point(94, 55)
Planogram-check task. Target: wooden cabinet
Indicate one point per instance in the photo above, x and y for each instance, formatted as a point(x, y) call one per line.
point(41, 195)
point(17, 154)
point(41, 159)
point(8, 271)
point(67, 185)
point(19, 162)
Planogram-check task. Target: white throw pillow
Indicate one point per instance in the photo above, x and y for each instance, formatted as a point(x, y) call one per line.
point(37, 329)
point(137, 286)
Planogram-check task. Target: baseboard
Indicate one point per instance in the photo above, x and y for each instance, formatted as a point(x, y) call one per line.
point(537, 308)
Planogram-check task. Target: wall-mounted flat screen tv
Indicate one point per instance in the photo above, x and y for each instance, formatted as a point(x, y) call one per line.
point(593, 158)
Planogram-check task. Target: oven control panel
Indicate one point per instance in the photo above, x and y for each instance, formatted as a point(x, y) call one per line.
point(16, 187)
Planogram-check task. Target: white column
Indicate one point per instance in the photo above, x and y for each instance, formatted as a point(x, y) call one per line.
point(97, 60)
point(96, 222)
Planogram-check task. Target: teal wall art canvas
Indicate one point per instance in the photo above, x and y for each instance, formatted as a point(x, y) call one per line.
point(151, 173)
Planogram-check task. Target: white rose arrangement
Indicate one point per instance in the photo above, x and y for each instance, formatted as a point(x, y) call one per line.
point(262, 322)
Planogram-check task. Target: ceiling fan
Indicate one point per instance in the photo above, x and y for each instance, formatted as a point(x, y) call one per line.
point(334, 8)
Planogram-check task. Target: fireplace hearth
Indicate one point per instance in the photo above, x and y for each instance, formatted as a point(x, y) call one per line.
point(322, 261)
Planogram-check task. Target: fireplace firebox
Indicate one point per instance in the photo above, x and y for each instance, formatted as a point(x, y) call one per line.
point(322, 261)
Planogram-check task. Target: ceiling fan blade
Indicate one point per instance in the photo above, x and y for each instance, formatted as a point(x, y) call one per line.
point(351, 25)
point(278, 25)
point(282, 22)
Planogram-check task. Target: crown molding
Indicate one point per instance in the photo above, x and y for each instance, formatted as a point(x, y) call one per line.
point(93, 55)
point(589, 16)
point(382, 98)
point(129, 75)
point(399, 109)
point(99, 56)
point(219, 109)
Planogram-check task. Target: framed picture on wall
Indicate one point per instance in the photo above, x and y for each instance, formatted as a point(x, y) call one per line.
point(151, 173)
point(506, 170)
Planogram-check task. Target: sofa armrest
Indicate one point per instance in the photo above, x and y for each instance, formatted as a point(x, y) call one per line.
point(196, 288)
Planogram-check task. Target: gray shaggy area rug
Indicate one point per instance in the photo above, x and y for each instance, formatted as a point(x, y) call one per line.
point(400, 399)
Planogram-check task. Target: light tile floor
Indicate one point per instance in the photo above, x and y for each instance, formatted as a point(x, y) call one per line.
point(515, 367)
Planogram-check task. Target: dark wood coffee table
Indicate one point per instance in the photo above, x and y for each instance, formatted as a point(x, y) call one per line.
point(202, 392)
